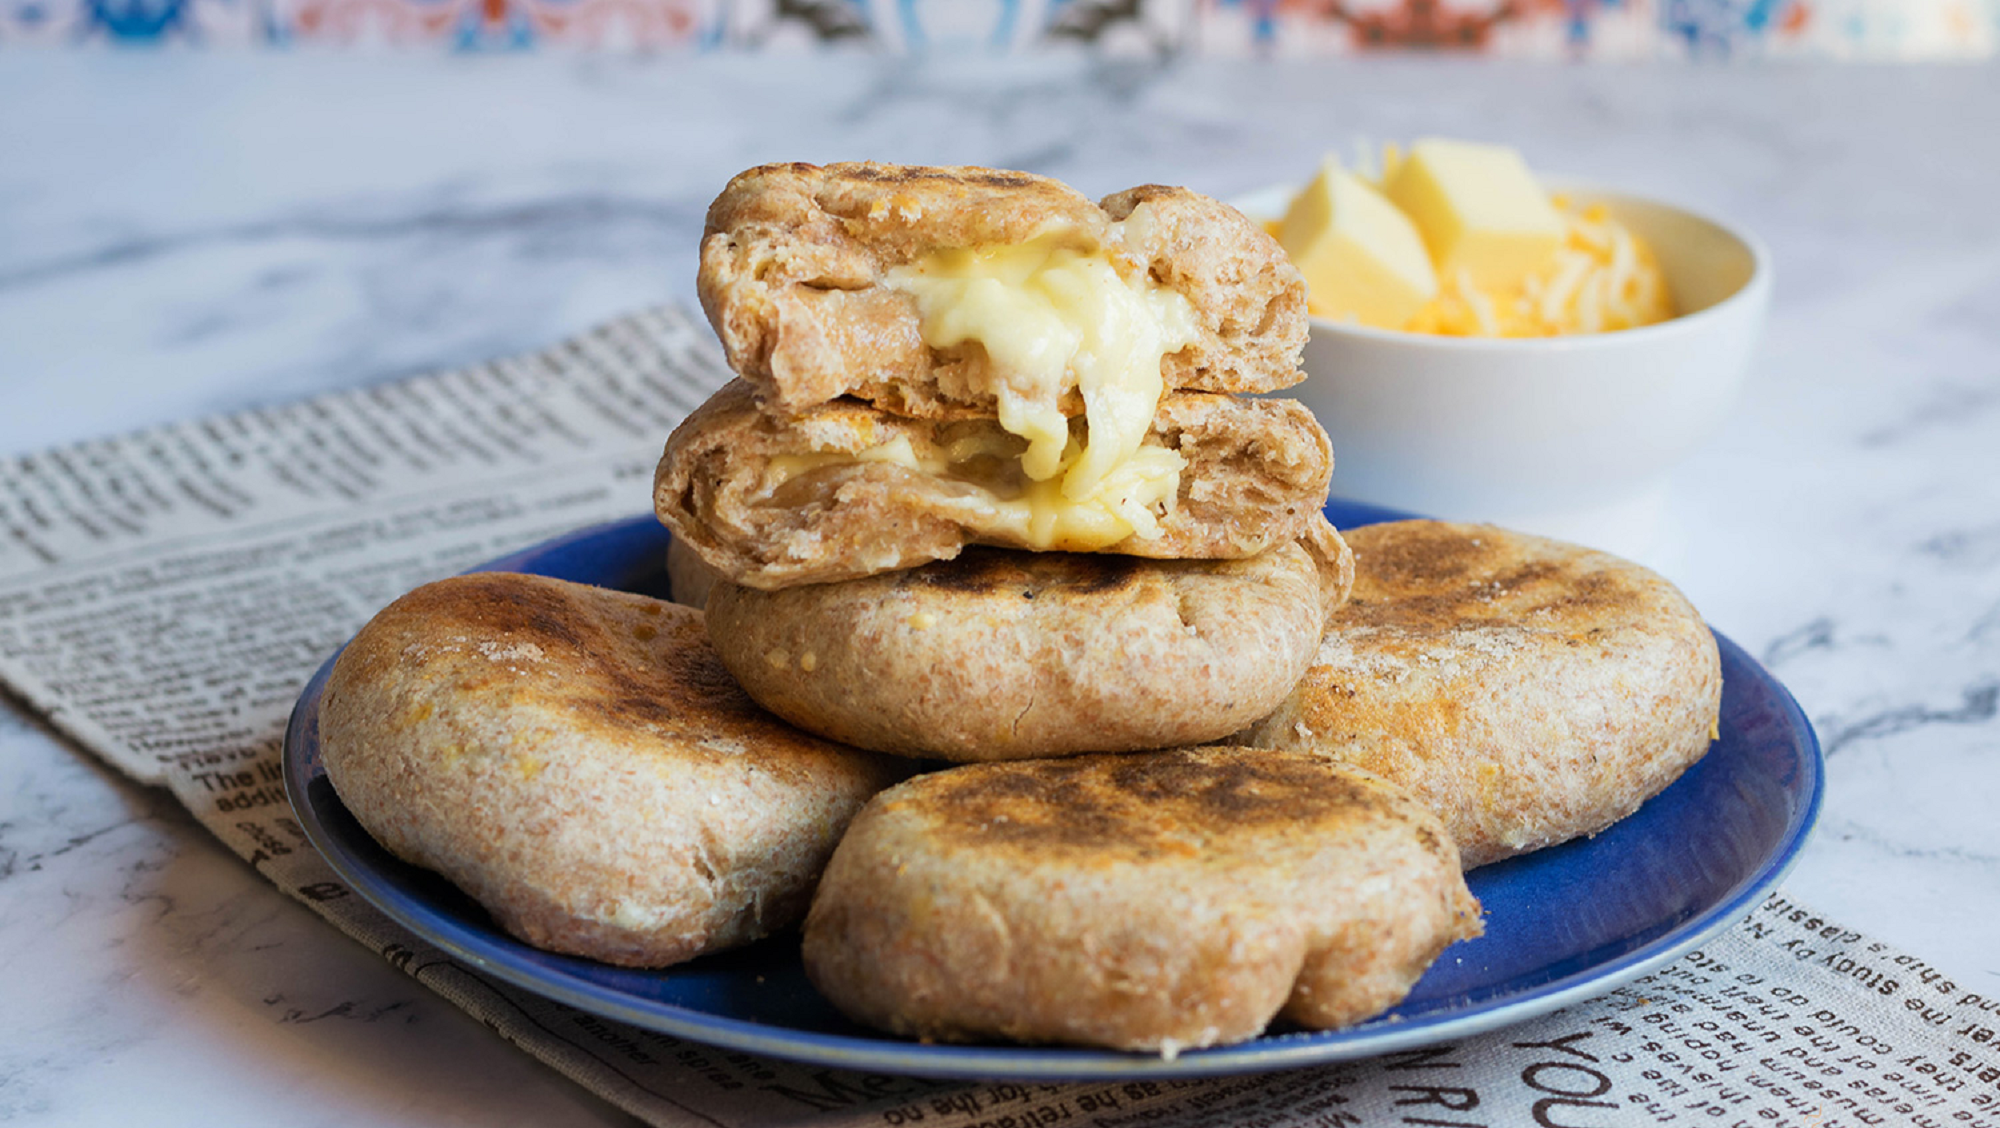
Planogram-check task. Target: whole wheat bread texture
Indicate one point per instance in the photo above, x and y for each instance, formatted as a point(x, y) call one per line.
point(579, 762)
point(795, 258)
point(1256, 477)
point(1155, 901)
point(1527, 690)
point(1002, 655)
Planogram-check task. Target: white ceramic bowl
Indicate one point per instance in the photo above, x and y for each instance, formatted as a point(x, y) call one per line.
point(1569, 436)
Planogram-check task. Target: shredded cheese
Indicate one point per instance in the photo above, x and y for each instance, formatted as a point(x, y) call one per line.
point(1603, 279)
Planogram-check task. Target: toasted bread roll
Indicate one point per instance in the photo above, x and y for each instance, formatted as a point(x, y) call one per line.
point(797, 277)
point(1155, 901)
point(689, 577)
point(846, 491)
point(1002, 655)
point(579, 762)
point(1527, 690)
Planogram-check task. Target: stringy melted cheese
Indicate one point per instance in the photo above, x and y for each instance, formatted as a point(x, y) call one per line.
point(1052, 317)
point(1130, 500)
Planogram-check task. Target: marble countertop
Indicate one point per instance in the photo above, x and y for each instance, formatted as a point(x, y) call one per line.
point(182, 234)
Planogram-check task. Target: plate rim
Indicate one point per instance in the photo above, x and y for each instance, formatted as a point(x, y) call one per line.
point(886, 1054)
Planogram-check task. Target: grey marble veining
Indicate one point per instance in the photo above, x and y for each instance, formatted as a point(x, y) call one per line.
point(185, 234)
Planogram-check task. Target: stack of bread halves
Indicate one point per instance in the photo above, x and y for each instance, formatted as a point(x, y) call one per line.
point(989, 489)
point(1098, 732)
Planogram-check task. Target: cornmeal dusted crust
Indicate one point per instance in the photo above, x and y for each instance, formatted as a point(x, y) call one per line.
point(1002, 655)
point(1529, 691)
point(1256, 477)
point(794, 257)
point(579, 762)
point(1159, 901)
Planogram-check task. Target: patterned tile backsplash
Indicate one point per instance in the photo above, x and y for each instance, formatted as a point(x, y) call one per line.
point(1547, 29)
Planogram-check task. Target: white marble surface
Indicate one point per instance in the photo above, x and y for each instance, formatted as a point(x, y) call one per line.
point(182, 234)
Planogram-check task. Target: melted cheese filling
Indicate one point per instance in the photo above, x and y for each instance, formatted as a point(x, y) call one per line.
point(1130, 500)
point(1052, 317)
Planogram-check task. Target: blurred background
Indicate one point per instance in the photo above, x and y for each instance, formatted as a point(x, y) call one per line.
point(1551, 29)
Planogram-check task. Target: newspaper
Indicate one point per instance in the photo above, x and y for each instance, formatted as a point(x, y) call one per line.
point(164, 596)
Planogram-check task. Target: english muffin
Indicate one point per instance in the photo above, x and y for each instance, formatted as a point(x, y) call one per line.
point(844, 490)
point(806, 276)
point(1002, 655)
point(580, 763)
point(689, 577)
point(1158, 901)
point(1529, 691)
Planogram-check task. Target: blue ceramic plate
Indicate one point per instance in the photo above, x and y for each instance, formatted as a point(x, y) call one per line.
point(1562, 925)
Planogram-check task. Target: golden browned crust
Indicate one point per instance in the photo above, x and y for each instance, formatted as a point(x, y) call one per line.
point(579, 762)
point(794, 257)
point(1256, 476)
point(1157, 901)
point(1529, 691)
point(1002, 655)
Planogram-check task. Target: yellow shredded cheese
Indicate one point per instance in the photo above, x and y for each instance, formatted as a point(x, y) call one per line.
point(1602, 278)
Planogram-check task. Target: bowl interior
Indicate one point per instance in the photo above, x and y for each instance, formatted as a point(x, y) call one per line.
point(1705, 263)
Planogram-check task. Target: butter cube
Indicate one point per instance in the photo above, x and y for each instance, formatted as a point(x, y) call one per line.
point(1479, 210)
point(1363, 260)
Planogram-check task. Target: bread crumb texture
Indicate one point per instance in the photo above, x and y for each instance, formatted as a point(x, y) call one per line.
point(1154, 901)
point(1529, 691)
point(579, 761)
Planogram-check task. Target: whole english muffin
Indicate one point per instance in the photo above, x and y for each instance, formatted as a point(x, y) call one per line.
point(1157, 901)
point(579, 762)
point(772, 502)
point(1529, 691)
point(796, 265)
point(1002, 655)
